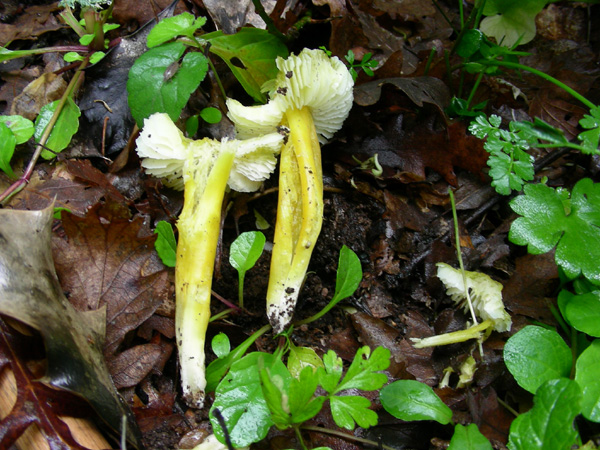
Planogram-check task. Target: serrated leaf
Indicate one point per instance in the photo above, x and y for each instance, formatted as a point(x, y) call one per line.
point(535, 355)
point(246, 249)
point(64, 128)
point(468, 438)
point(363, 372)
point(302, 405)
point(165, 244)
point(149, 92)
point(549, 424)
point(590, 138)
point(240, 399)
point(412, 400)
point(330, 375)
point(8, 142)
point(539, 131)
point(184, 24)
point(582, 311)
point(348, 409)
point(250, 55)
point(551, 219)
point(587, 374)
point(21, 127)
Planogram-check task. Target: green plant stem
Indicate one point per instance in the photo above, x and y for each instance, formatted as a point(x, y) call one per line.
point(474, 89)
point(241, 277)
point(347, 436)
point(509, 408)
point(543, 75)
point(429, 60)
point(221, 314)
point(574, 352)
point(459, 255)
point(299, 436)
point(24, 179)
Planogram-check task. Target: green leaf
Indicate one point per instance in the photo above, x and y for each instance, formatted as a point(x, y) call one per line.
point(535, 355)
point(302, 405)
point(240, 399)
point(165, 244)
point(275, 389)
point(587, 375)
point(363, 372)
point(411, 400)
point(470, 43)
point(250, 55)
point(349, 275)
point(246, 250)
point(8, 142)
point(551, 218)
point(301, 357)
point(330, 374)
point(191, 126)
point(468, 438)
point(513, 21)
point(348, 409)
point(211, 115)
point(582, 312)
point(184, 24)
point(64, 128)
point(21, 127)
point(549, 424)
point(590, 138)
point(149, 92)
point(220, 345)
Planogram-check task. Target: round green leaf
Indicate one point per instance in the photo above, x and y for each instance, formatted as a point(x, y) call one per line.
point(535, 355)
point(470, 43)
point(587, 375)
point(412, 400)
point(149, 92)
point(64, 128)
point(21, 127)
point(468, 438)
point(220, 345)
point(582, 312)
point(549, 424)
point(246, 250)
point(7, 149)
point(211, 115)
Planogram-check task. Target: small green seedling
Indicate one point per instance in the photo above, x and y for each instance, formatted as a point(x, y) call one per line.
point(166, 244)
point(366, 64)
point(244, 253)
point(14, 130)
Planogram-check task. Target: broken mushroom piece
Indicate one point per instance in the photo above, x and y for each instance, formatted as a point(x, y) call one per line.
point(486, 297)
point(308, 102)
point(204, 168)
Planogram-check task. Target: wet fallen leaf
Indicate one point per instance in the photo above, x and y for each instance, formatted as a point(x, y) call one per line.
point(131, 366)
point(41, 91)
point(30, 292)
point(35, 21)
point(104, 263)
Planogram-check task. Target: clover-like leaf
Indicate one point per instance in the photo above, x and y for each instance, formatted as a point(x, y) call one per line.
point(590, 138)
point(348, 409)
point(572, 225)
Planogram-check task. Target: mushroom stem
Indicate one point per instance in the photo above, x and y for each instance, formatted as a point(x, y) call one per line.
point(299, 215)
point(199, 228)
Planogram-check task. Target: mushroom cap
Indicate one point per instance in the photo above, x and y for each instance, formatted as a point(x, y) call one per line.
point(163, 149)
point(311, 79)
point(166, 154)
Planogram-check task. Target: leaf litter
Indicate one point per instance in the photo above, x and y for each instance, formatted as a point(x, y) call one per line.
point(398, 223)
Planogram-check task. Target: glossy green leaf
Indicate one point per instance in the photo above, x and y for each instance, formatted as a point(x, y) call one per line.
point(148, 90)
point(549, 424)
point(165, 244)
point(275, 390)
point(412, 400)
point(348, 409)
point(239, 398)
point(8, 142)
point(582, 311)
point(587, 375)
point(246, 250)
point(184, 24)
point(302, 403)
point(21, 127)
point(552, 218)
point(470, 43)
point(535, 355)
point(301, 357)
point(511, 21)
point(468, 438)
point(211, 115)
point(220, 345)
point(251, 55)
point(64, 128)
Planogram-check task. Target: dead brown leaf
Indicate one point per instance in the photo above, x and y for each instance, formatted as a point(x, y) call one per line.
point(103, 262)
point(39, 92)
point(131, 366)
point(35, 21)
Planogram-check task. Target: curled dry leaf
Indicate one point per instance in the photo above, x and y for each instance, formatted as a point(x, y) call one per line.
point(30, 292)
